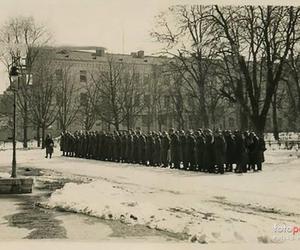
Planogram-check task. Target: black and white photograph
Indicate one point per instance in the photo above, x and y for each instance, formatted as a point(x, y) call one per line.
point(144, 122)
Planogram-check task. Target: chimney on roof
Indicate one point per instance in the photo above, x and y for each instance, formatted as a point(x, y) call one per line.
point(100, 52)
point(140, 54)
point(133, 54)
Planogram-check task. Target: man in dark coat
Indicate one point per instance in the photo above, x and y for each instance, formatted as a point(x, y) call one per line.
point(252, 150)
point(209, 152)
point(123, 146)
point(183, 150)
point(219, 152)
point(157, 150)
point(200, 150)
point(49, 144)
point(248, 142)
point(190, 151)
point(98, 145)
point(109, 146)
point(165, 146)
point(241, 153)
point(141, 148)
point(77, 143)
point(151, 148)
point(62, 143)
point(230, 150)
point(261, 150)
point(175, 149)
point(135, 146)
point(129, 144)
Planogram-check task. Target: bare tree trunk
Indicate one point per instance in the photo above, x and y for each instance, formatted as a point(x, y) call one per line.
point(243, 120)
point(213, 119)
point(38, 136)
point(25, 122)
point(259, 124)
point(128, 122)
point(43, 136)
point(274, 117)
point(203, 111)
point(117, 125)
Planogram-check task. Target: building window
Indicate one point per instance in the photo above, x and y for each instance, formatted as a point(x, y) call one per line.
point(192, 122)
point(83, 99)
point(162, 119)
point(58, 74)
point(167, 80)
point(58, 99)
point(58, 124)
point(279, 123)
point(146, 120)
point(137, 100)
point(231, 122)
point(83, 77)
point(191, 102)
point(126, 77)
point(167, 101)
point(136, 77)
point(147, 100)
point(146, 79)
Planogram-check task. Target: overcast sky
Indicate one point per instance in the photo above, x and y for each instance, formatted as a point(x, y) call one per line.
point(118, 25)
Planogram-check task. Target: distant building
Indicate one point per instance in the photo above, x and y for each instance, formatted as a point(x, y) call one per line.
point(78, 66)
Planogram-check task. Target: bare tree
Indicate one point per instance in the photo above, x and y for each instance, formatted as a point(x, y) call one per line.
point(176, 90)
point(191, 43)
point(67, 96)
point(42, 104)
point(292, 80)
point(119, 90)
point(21, 37)
point(132, 96)
point(254, 43)
point(89, 105)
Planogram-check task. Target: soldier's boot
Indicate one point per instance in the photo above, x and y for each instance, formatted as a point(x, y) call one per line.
point(211, 169)
point(259, 166)
point(221, 169)
point(185, 165)
point(228, 167)
point(239, 169)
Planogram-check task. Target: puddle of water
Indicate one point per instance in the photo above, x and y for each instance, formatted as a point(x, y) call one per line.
point(80, 227)
point(9, 206)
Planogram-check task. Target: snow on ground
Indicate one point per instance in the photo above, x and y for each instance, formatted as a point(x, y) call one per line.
point(205, 207)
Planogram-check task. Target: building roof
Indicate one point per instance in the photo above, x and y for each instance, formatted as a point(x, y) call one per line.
point(71, 54)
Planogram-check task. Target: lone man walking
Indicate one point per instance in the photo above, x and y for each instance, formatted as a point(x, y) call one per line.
point(49, 144)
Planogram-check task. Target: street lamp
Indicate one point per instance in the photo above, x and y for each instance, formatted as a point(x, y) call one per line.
point(14, 75)
point(15, 185)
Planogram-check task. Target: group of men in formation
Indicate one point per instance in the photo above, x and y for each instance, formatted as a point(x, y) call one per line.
point(201, 150)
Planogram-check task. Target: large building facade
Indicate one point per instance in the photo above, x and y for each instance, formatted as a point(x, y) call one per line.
point(157, 104)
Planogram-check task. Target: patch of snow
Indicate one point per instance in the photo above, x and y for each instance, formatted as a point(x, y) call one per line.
point(4, 175)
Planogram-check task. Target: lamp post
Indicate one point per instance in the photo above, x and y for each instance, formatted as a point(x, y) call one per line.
point(14, 74)
point(15, 185)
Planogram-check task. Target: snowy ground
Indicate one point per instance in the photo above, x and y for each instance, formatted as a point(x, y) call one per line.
point(201, 207)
